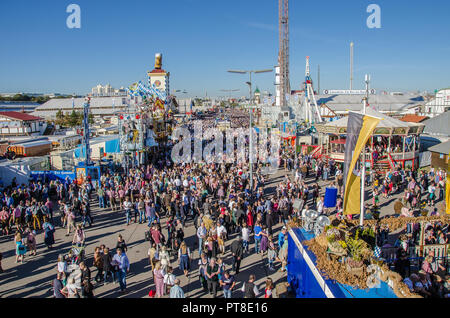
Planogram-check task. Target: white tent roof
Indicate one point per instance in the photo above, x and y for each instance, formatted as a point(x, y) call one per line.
point(386, 122)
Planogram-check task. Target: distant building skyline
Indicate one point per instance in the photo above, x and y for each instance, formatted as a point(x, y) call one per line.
point(108, 90)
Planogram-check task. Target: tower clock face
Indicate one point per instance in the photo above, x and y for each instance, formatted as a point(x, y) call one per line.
point(157, 83)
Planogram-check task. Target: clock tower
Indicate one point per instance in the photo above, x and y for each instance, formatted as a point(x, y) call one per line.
point(159, 78)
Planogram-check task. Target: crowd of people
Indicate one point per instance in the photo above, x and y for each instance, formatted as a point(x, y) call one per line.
point(218, 201)
point(232, 220)
point(216, 198)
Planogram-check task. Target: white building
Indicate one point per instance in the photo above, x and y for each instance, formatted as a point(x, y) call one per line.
point(100, 106)
point(21, 124)
point(108, 90)
point(438, 105)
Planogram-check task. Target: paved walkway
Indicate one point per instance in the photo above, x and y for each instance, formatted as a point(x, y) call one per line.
point(33, 278)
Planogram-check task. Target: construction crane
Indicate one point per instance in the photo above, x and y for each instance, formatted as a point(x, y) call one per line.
point(283, 55)
point(312, 113)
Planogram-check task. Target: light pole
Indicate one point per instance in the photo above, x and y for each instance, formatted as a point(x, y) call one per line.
point(250, 75)
point(251, 116)
point(363, 168)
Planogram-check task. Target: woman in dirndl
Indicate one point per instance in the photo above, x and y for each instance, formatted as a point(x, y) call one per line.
point(264, 244)
point(184, 255)
point(49, 236)
point(158, 277)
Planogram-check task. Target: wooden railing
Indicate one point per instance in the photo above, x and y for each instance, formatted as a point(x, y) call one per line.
point(417, 255)
point(440, 250)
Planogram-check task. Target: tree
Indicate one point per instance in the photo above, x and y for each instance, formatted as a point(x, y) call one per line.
point(21, 98)
point(60, 118)
point(74, 119)
point(40, 99)
point(198, 102)
point(91, 118)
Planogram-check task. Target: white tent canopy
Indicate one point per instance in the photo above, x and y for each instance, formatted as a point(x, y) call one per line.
point(387, 125)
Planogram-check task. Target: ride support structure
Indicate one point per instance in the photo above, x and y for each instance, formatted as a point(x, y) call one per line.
point(311, 110)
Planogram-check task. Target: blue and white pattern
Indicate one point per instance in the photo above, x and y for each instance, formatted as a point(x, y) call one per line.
point(143, 90)
point(377, 252)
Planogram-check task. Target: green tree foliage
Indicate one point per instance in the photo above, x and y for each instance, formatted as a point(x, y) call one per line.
point(60, 120)
point(25, 98)
point(73, 119)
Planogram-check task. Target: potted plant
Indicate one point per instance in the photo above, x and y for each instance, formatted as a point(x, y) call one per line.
point(354, 262)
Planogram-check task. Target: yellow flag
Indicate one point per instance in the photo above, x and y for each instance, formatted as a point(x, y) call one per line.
point(447, 196)
point(360, 126)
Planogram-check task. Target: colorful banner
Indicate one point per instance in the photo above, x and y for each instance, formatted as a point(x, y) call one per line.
point(139, 89)
point(359, 129)
point(447, 196)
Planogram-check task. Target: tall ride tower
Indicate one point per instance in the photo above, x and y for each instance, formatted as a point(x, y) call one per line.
point(312, 113)
point(284, 87)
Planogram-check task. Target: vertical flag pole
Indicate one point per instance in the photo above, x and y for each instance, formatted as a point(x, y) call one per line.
point(363, 168)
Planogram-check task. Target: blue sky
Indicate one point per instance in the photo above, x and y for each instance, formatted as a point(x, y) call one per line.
point(201, 39)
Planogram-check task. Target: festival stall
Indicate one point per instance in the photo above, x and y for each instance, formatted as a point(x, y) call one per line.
point(393, 142)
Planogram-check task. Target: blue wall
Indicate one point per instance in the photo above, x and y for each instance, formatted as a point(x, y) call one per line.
point(112, 146)
point(53, 175)
point(300, 276)
point(305, 285)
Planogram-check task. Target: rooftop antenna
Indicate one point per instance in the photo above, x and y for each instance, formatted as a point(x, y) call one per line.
point(351, 65)
point(318, 79)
